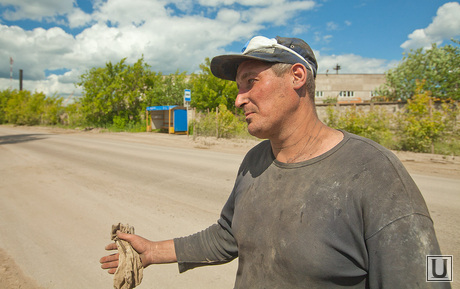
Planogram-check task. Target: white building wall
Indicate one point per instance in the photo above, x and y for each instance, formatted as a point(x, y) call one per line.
point(347, 87)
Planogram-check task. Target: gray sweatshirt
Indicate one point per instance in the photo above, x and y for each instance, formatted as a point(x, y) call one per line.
point(350, 218)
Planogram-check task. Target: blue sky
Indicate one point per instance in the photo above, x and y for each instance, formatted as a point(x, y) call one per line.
point(55, 41)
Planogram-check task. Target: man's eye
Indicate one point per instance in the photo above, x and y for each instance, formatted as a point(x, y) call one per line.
point(251, 81)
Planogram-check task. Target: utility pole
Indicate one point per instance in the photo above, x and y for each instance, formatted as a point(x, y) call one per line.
point(20, 79)
point(11, 71)
point(337, 68)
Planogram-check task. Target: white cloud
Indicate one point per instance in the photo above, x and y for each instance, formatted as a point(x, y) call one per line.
point(445, 25)
point(54, 84)
point(300, 28)
point(136, 12)
point(78, 18)
point(331, 25)
point(351, 63)
point(278, 13)
point(242, 2)
point(116, 30)
point(36, 50)
point(36, 10)
point(51, 85)
point(323, 39)
point(150, 28)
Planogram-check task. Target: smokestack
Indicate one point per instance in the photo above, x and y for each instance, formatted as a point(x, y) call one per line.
point(20, 79)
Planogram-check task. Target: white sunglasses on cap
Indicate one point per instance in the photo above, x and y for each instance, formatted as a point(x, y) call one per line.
point(269, 44)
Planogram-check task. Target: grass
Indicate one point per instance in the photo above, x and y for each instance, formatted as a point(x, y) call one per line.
point(448, 147)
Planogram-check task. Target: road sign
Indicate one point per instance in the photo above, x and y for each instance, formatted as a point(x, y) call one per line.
point(187, 95)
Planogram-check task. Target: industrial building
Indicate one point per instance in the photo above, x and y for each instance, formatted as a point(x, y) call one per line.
point(347, 88)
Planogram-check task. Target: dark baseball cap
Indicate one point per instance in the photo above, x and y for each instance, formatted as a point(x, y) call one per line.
point(275, 50)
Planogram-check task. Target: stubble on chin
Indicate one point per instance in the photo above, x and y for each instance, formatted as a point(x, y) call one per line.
point(255, 131)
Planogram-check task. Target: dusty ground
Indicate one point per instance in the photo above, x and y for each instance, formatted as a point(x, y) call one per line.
point(12, 276)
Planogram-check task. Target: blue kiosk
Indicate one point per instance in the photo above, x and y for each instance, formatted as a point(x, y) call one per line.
point(171, 118)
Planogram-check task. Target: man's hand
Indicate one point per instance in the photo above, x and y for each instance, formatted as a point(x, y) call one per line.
point(150, 252)
point(110, 262)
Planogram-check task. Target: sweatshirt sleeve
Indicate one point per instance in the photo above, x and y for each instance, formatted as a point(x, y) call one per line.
point(212, 246)
point(217, 244)
point(397, 254)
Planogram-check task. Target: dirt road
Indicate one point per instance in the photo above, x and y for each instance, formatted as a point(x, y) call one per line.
point(60, 192)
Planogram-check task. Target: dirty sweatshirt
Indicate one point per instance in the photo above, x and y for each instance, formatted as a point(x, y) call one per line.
point(350, 218)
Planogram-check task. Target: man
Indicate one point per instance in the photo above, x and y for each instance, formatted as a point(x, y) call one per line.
point(312, 207)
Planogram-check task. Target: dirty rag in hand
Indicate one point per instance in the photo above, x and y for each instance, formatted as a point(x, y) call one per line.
point(130, 270)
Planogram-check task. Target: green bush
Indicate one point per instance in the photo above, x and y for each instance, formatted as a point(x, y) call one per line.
point(224, 125)
point(72, 116)
point(375, 125)
point(128, 125)
point(450, 146)
point(119, 123)
point(420, 126)
point(5, 95)
point(330, 100)
point(25, 108)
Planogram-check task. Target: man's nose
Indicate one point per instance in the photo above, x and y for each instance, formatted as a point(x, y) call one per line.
point(241, 99)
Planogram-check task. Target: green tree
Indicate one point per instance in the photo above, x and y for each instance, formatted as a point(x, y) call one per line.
point(118, 94)
point(117, 90)
point(96, 101)
point(5, 95)
point(167, 89)
point(25, 108)
point(420, 125)
point(15, 107)
point(208, 91)
point(439, 67)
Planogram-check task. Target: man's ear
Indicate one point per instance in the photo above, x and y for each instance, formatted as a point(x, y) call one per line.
point(299, 73)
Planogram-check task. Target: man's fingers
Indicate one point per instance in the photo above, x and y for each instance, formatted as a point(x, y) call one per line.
point(112, 271)
point(124, 236)
point(111, 246)
point(110, 265)
point(110, 258)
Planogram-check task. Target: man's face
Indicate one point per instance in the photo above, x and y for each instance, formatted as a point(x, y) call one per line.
point(267, 99)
